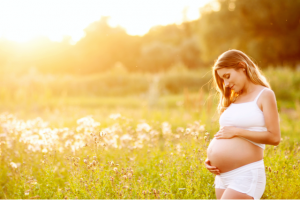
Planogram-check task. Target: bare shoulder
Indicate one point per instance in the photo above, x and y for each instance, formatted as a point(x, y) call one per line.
point(268, 99)
point(268, 95)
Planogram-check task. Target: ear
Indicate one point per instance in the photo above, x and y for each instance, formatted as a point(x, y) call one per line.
point(242, 64)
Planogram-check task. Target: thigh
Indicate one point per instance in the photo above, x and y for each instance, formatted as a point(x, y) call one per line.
point(233, 194)
point(219, 192)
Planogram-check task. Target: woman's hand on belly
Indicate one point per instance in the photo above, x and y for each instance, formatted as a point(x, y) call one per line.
point(210, 168)
point(227, 132)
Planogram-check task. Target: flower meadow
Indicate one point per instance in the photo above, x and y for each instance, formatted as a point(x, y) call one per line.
point(123, 158)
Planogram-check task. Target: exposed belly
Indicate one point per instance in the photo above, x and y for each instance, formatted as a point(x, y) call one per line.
point(229, 154)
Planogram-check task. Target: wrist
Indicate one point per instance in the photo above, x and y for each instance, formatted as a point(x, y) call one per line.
point(238, 132)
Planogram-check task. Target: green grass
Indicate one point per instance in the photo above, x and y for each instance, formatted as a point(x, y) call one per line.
point(165, 162)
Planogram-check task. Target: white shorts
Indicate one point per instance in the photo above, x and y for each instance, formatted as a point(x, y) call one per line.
point(249, 179)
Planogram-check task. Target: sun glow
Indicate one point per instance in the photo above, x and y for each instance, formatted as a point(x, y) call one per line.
point(24, 20)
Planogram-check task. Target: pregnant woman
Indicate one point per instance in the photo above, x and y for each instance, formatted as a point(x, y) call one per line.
point(248, 120)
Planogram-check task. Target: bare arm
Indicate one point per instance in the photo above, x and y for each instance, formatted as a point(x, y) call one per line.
point(272, 136)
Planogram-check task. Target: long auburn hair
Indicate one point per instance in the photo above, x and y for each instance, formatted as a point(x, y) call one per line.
point(231, 59)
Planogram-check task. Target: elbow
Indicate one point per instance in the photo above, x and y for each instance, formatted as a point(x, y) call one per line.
point(276, 141)
point(275, 138)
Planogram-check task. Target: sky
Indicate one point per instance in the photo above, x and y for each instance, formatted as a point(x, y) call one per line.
point(22, 20)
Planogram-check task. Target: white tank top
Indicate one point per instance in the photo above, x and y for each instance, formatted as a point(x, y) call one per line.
point(246, 116)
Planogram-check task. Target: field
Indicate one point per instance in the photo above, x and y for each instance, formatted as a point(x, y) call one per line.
point(150, 145)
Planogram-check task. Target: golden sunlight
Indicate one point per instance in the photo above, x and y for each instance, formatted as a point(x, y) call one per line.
point(24, 20)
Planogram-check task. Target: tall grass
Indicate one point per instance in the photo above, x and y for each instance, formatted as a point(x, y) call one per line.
point(84, 144)
point(122, 157)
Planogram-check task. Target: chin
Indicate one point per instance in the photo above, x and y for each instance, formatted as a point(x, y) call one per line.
point(235, 90)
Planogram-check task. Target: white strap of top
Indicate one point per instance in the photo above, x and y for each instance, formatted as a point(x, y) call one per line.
point(259, 95)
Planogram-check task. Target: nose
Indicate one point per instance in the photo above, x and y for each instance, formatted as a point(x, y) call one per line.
point(226, 83)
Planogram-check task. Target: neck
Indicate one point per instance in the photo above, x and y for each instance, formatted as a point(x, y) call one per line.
point(248, 88)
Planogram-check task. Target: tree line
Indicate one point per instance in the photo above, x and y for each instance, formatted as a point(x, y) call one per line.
point(267, 30)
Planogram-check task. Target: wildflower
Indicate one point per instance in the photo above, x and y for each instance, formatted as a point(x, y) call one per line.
point(102, 133)
point(125, 177)
point(112, 163)
point(180, 130)
point(77, 159)
point(144, 192)
point(129, 175)
point(187, 130)
point(85, 161)
point(207, 133)
point(75, 164)
point(270, 170)
point(34, 182)
point(13, 165)
point(116, 170)
point(95, 158)
point(161, 162)
point(27, 192)
point(294, 166)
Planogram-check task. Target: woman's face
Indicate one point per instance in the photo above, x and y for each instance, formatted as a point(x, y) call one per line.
point(233, 79)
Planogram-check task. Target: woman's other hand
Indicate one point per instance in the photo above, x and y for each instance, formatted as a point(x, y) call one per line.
point(210, 168)
point(227, 132)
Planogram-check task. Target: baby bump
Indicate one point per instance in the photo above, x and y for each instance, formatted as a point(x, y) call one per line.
point(229, 154)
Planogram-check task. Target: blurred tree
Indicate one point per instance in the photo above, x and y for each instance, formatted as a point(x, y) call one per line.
point(103, 46)
point(190, 52)
point(157, 57)
point(266, 30)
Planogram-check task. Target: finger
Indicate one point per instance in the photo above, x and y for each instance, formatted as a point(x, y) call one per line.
point(212, 168)
point(215, 171)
